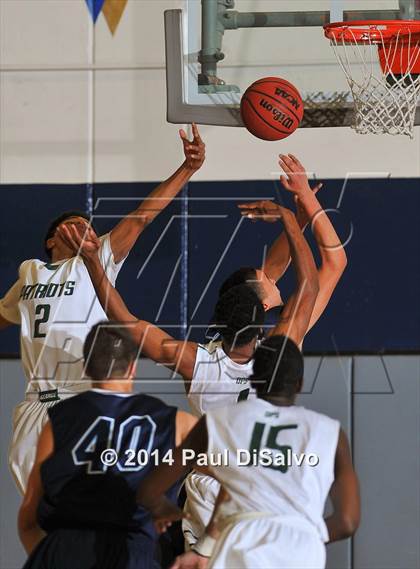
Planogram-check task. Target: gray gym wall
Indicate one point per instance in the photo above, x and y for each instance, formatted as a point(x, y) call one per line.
point(377, 401)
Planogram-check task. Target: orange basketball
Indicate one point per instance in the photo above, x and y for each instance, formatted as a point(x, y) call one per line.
point(271, 108)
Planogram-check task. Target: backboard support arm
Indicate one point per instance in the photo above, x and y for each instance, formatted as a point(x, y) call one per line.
point(217, 17)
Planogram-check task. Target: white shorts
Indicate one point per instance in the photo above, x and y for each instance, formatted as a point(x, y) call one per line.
point(268, 542)
point(28, 419)
point(202, 492)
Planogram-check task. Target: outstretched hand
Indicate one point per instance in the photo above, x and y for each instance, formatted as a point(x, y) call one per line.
point(264, 210)
point(194, 150)
point(81, 239)
point(296, 180)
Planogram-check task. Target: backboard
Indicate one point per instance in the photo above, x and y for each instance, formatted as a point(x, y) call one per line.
point(216, 48)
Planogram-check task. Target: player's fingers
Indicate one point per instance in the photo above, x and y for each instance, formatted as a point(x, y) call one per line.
point(76, 235)
point(68, 231)
point(296, 161)
point(183, 135)
point(64, 234)
point(317, 187)
point(251, 214)
point(250, 205)
point(285, 167)
point(196, 134)
point(285, 182)
point(286, 160)
point(68, 238)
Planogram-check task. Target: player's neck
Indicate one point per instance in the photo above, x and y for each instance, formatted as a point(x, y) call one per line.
point(61, 254)
point(279, 401)
point(118, 385)
point(240, 354)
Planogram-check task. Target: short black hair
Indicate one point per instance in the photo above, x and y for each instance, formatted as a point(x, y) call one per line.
point(239, 315)
point(244, 275)
point(58, 221)
point(278, 367)
point(108, 350)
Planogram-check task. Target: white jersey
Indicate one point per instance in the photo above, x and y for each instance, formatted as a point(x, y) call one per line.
point(217, 380)
point(56, 306)
point(285, 489)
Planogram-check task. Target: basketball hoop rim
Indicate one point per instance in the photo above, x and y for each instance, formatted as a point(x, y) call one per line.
point(366, 31)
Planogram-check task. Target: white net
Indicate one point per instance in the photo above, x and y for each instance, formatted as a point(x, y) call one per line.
point(383, 77)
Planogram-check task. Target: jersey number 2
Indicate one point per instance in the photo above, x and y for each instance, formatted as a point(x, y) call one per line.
point(42, 310)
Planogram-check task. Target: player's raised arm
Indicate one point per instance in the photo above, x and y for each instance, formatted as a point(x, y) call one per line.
point(344, 494)
point(297, 312)
point(154, 343)
point(278, 256)
point(30, 532)
point(333, 256)
point(126, 233)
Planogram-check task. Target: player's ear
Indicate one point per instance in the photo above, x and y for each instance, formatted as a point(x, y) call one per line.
point(50, 243)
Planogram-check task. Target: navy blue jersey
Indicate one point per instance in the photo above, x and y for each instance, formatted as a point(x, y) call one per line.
point(80, 490)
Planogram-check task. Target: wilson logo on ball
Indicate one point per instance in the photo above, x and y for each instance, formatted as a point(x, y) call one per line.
point(277, 114)
point(271, 108)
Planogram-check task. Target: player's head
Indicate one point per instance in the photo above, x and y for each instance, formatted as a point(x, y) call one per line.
point(265, 287)
point(278, 368)
point(239, 316)
point(53, 239)
point(110, 353)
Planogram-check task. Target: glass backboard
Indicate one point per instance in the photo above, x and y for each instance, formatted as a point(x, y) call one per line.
point(216, 49)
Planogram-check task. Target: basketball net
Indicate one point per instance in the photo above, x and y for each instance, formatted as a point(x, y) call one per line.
point(383, 75)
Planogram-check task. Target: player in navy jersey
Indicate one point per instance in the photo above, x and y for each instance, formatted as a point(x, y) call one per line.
point(79, 510)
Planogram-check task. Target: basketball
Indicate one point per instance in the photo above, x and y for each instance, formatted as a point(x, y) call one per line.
point(271, 108)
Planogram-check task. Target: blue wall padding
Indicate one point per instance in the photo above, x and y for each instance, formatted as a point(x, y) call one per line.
point(375, 308)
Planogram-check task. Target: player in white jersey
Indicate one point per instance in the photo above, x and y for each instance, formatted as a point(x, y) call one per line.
point(217, 374)
point(207, 391)
point(281, 462)
point(55, 305)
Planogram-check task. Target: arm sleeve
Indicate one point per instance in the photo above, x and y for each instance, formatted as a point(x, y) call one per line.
point(106, 257)
point(9, 304)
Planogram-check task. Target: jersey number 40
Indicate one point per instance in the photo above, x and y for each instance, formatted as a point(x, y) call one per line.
point(100, 448)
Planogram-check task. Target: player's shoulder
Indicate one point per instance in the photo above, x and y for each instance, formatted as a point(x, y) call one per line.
point(35, 266)
point(228, 413)
point(104, 237)
point(315, 416)
point(143, 402)
point(150, 401)
point(68, 405)
point(210, 348)
point(29, 264)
